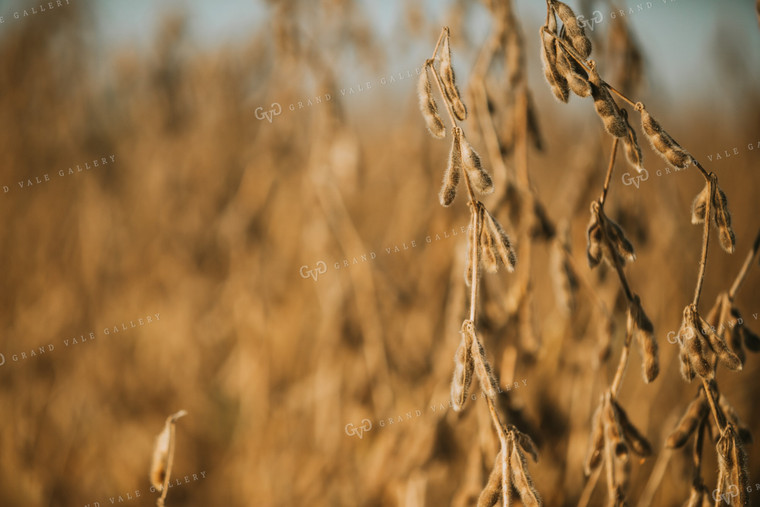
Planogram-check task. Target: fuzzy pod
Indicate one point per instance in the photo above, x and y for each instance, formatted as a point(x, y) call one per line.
point(645, 337)
point(428, 106)
point(449, 81)
point(662, 142)
point(694, 415)
point(727, 324)
point(594, 237)
point(557, 82)
point(522, 480)
point(483, 368)
point(723, 220)
point(621, 244)
point(732, 463)
point(633, 436)
point(719, 346)
point(488, 251)
point(573, 30)
point(473, 247)
point(463, 368)
point(613, 432)
point(595, 451)
point(501, 241)
point(492, 491)
point(694, 345)
point(573, 72)
point(453, 170)
point(699, 205)
point(631, 146)
point(480, 179)
point(686, 368)
point(605, 106)
point(526, 444)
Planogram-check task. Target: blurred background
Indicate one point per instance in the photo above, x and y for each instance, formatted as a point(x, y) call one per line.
point(231, 208)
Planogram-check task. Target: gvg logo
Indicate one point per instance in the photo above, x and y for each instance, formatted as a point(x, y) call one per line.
point(635, 180)
point(589, 23)
point(732, 492)
point(320, 268)
point(275, 109)
point(352, 430)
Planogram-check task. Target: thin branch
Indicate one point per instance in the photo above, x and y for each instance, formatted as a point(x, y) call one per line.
point(705, 241)
point(745, 268)
point(622, 364)
point(610, 168)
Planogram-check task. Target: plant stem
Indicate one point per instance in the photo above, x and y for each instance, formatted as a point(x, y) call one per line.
point(705, 241)
point(745, 268)
point(719, 419)
point(618, 380)
point(701, 169)
point(610, 168)
point(444, 33)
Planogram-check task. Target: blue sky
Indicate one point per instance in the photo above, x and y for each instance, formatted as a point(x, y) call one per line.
point(678, 36)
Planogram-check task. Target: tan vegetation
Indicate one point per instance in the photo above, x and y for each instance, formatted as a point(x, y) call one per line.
point(287, 274)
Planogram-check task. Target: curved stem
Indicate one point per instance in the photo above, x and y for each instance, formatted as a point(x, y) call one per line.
point(705, 241)
point(718, 415)
point(701, 169)
point(444, 33)
point(745, 268)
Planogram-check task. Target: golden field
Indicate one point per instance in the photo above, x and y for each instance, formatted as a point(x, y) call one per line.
point(173, 240)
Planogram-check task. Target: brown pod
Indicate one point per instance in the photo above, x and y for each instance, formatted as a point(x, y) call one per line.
point(647, 342)
point(451, 177)
point(481, 181)
point(428, 106)
point(449, 81)
point(723, 220)
point(492, 492)
point(615, 234)
point(463, 368)
point(483, 368)
point(521, 479)
point(699, 205)
point(695, 413)
point(500, 240)
point(606, 107)
point(527, 444)
point(694, 343)
point(573, 30)
point(613, 432)
point(555, 79)
point(594, 237)
point(633, 437)
point(719, 346)
point(488, 251)
point(596, 442)
point(631, 145)
point(662, 142)
point(573, 72)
